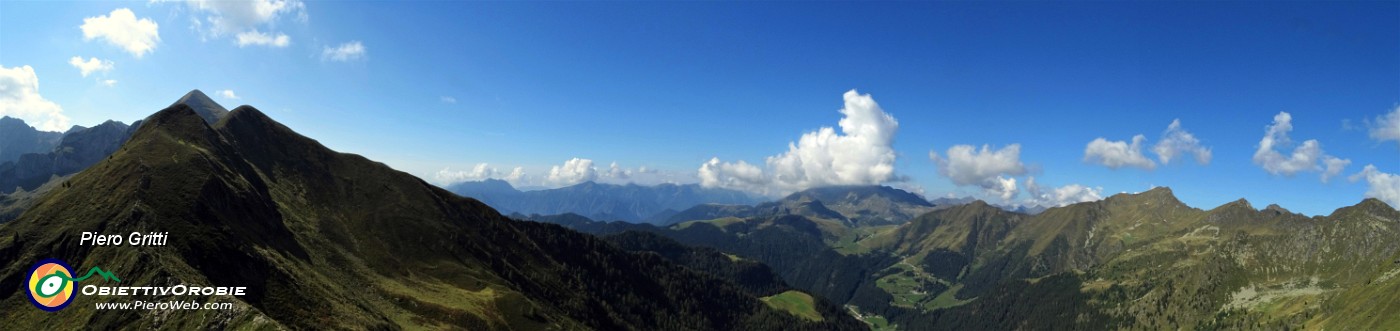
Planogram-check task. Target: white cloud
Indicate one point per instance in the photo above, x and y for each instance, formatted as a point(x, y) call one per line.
point(1386, 127)
point(1305, 157)
point(1118, 154)
point(1334, 167)
point(991, 170)
point(479, 173)
point(223, 17)
point(910, 187)
point(965, 165)
point(108, 82)
point(447, 99)
point(257, 38)
point(1004, 188)
point(482, 171)
point(91, 65)
point(861, 154)
point(227, 94)
point(121, 28)
point(617, 172)
point(1063, 195)
point(19, 98)
point(346, 52)
point(1177, 141)
point(573, 171)
point(517, 175)
point(737, 176)
point(1383, 186)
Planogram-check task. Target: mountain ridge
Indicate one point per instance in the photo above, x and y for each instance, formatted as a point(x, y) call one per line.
point(1132, 261)
point(631, 202)
point(203, 105)
point(854, 205)
point(333, 234)
point(18, 138)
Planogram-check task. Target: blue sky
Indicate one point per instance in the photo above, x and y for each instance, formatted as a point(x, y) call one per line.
point(436, 88)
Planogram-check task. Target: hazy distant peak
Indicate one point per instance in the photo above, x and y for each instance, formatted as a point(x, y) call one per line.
point(207, 109)
point(14, 124)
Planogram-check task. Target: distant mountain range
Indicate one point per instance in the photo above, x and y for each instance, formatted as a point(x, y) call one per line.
point(75, 151)
point(945, 203)
point(666, 204)
point(850, 205)
point(1131, 261)
point(49, 162)
point(325, 240)
point(18, 138)
point(631, 203)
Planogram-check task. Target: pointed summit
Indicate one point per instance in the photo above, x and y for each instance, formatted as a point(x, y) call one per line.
point(1157, 196)
point(1241, 203)
point(1277, 210)
point(207, 109)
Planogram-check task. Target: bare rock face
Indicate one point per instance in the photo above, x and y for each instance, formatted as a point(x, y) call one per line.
point(18, 138)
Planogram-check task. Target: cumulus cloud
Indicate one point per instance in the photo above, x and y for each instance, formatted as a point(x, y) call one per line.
point(244, 19)
point(91, 65)
point(911, 187)
point(447, 99)
point(1304, 158)
point(861, 154)
point(995, 172)
point(517, 175)
point(121, 28)
point(617, 172)
point(573, 171)
point(1177, 141)
point(1382, 186)
point(1386, 127)
point(108, 82)
point(481, 171)
point(736, 175)
point(991, 170)
point(257, 38)
point(227, 94)
point(1061, 196)
point(19, 98)
point(1332, 167)
point(1118, 154)
point(1004, 188)
point(346, 52)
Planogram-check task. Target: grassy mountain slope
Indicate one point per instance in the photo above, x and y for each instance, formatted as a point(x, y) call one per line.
point(330, 240)
point(1131, 261)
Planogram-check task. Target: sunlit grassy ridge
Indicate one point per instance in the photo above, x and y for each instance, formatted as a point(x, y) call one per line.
point(794, 302)
point(1132, 261)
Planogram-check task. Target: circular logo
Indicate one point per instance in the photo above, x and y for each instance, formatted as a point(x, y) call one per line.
point(50, 285)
